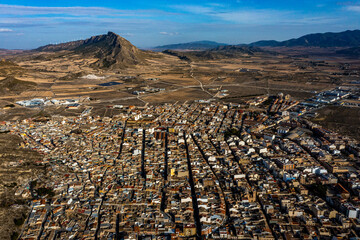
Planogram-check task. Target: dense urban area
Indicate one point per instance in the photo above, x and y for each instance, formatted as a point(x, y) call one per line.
point(202, 170)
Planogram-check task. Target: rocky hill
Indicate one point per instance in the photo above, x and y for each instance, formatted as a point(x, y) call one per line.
point(69, 46)
point(112, 50)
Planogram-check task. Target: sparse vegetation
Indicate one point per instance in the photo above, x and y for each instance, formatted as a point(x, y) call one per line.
point(45, 192)
point(10, 178)
point(20, 221)
point(319, 189)
point(344, 120)
point(14, 235)
point(232, 132)
point(10, 105)
point(14, 85)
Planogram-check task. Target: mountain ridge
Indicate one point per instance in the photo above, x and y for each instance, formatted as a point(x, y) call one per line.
point(349, 38)
point(196, 45)
point(229, 51)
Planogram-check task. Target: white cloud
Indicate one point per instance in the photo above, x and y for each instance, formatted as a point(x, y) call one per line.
point(169, 33)
point(269, 17)
point(5, 30)
point(6, 9)
point(353, 8)
point(216, 5)
point(29, 10)
point(194, 9)
point(254, 16)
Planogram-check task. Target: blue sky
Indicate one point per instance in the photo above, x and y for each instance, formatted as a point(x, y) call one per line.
point(26, 24)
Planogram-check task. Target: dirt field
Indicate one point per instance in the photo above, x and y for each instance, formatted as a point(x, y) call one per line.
point(344, 120)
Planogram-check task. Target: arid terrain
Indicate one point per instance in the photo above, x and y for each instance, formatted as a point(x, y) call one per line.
point(64, 76)
point(93, 85)
point(341, 119)
point(17, 166)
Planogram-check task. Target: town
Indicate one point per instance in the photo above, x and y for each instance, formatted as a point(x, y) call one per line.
point(203, 170)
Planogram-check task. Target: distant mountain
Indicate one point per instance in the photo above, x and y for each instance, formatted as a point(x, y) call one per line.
point(351, 52)
point(265, 43)
point(111, 50)
point(6, 52)
point(341, 39)
point(235, 49)
point(198, 45)
point(220, 52)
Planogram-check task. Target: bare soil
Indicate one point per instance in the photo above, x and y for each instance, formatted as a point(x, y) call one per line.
point(344, 120)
